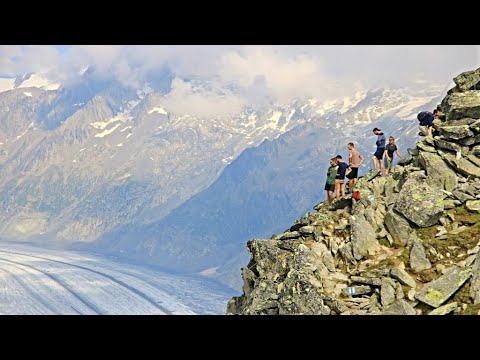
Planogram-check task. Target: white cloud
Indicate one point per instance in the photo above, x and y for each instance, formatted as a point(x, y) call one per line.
point(258, 74)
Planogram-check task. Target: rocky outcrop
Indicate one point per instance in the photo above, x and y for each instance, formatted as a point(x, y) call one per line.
point(409, 245)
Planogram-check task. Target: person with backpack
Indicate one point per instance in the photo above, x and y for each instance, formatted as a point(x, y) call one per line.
point(355, 159)
point(340, 179)
point(378, 155)
point(331, 175)
point(425, 119)
point(390, 149)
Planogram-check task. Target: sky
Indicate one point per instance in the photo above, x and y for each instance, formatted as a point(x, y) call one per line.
point(225, 78)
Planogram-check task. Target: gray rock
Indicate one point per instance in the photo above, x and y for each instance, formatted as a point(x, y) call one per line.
point(328, 261)
point(400, 307)
point(426, 148)
point(476, 150)
point(366, 280)
point(289, 235)
point(444, 310)
point(470, 141)
point(461, 196)
point(474, 159)
point(475, 283)
point(439, 174)
point(398, 227)
point(364, 239)
point(340, 203)
point(446, 145)
point(387, 292)
point(399, 294)
point(406, 160)
point(435, 293)
point(347, 253)
point(468, 80)
point(411, 294)
point(463, 166)
point(403, 277)
point(420, 203)
point(455, 132)
point(458, 230)
point(448, 204)
point(418, 259)
point(462, 105)
point(412, 152)
point(372, 174)
point(357, 290)
point(306, 230)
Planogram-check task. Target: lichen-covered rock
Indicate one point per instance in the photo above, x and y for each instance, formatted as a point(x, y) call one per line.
point(364, 239)
point(473, 205)
point(435, 293)
point(444, 310)
point(398, 227)
point(439, 175)
point(468, 80)
point(403, 277)
point(446, 145)
point(387, 292)
point(455, 132)
point(462, 105)
point(462, 165)
point(420, 203)
point(399, 307)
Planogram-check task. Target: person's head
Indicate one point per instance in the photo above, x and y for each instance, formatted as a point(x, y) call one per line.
point(435, 112)
point(339, 158)
point(391, 140)
point(376, 131)
point(351, 146)
point(333, 161)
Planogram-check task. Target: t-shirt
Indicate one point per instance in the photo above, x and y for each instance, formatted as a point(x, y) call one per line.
point(390, 150)
point(331, 174)
point(342, 169)
point(381, 141)
point(355, 159)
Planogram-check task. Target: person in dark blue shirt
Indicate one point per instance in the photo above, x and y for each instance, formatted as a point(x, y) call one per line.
point(378, 155)
point(340, 179)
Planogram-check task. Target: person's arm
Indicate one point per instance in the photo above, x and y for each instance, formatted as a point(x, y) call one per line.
point(350, 156)
point(361, 160)
point(398, 153)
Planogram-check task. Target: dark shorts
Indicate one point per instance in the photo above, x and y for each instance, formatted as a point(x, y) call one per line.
point(379, 153)
point(329, 187)
point(353, 174)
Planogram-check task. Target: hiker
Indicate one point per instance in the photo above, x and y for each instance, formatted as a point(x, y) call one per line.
point(340, 178)
point(426, 119)
point(331, 175)
point(389, 150)
point(378, 155)
point(355, 159)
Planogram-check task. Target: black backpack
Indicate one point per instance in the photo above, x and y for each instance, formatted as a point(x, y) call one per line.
point(424, 117)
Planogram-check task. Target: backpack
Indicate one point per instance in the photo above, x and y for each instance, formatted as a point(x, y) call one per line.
point(425, 117)
point(356, 195)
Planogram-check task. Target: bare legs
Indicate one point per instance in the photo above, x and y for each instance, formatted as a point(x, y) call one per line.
point(339, 188)
point(329, 196)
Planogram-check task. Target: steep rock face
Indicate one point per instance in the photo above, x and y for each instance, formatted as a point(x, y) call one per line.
point(409, 246)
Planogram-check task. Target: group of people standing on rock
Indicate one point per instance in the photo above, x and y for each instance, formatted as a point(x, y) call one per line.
point(338, 169)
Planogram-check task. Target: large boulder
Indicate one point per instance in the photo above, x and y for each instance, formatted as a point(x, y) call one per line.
point(462, 105)
point(455, 132)
point(419, 202)
point(364, 239)
point(435, 293)
point(439, 175)
point(473, 206)
point(398, 227)
point(446, 145)
point(468, 80)
point(462, 165)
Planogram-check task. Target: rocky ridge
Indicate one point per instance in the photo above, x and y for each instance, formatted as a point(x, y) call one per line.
point(409, 246)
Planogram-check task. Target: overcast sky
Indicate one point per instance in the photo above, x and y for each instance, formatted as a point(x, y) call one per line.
point(256, 73)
